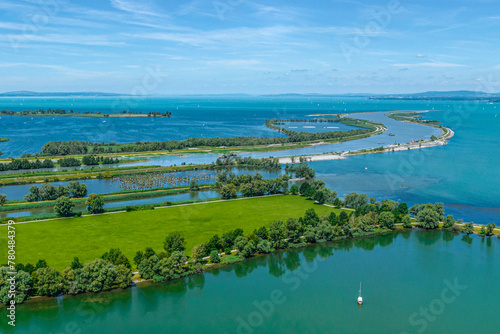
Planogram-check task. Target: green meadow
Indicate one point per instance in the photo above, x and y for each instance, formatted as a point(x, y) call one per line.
point(58, 241)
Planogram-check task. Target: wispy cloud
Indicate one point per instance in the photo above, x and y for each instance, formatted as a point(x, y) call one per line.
point(430, 64)
point(135, 7)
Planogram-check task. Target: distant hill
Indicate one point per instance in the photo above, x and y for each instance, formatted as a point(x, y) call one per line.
point(431, 95)
point(55, 94)
point(441, 95)
point(320, 95)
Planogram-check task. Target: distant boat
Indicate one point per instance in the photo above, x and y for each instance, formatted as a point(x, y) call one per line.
point(391, 134)
point(360, 299)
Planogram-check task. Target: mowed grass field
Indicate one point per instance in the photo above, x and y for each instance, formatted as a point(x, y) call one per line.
point(58, 241)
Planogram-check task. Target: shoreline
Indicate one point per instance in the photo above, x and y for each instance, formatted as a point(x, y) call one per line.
point(446, 134)
point(209, 266)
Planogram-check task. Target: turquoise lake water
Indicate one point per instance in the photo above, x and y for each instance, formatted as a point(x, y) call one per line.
point(463, 174)
point(413, 282)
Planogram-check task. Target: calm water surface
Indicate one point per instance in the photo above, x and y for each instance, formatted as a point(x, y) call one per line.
point(463, 174)
point(314, 290)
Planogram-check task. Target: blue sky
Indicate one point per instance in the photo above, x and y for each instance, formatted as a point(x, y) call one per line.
point(255, 47)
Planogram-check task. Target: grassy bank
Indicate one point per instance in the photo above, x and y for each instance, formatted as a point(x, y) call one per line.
point(86, 174)
point(108, 197)
point(58, 241)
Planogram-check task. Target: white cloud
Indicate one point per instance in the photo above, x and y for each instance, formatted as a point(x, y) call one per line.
point(134, 7)
point(232, 62)
point(429, 64)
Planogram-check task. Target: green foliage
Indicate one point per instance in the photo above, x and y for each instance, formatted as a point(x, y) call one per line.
point(76, 264)
point(48, 192)
point(214, 257)
point(428, 218)
point(61, 148)
point(146, 266)
point(41, 264)
point(23, 284)
point(355, 200)
point(386, 219)
point(123, 276)
point(69, 162)
point(488, 230)
point(261, 232)
point(302, 170)
point(95, 276)
point(193, 185)
point(240, 243)
point(228, 191)
point(249, 249)
point(343, 218)
point(213, 244)
point(406, 220)
point(322, 195)
point(95, 203)
point(311, 217)
point(310, 192)
point(264, 247)
point(304, 186)
point(48, 281)
point(468, 228)
point(277, 234)
point(19, 164)
point(366, 208)
point(198, 252)
point(437, 207)
point(448, 223)
point(402, 209)
point(294, 189)
point(333, 197)
point(64, 207)
point(174, 242)
point(293, 229)
point(116, 256)
point(3, 200)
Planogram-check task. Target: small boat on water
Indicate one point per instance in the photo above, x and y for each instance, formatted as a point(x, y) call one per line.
point(360, 299)
point(391, 134)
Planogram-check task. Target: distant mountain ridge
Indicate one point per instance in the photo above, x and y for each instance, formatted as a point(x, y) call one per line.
point(54, 94)
point(465, 94)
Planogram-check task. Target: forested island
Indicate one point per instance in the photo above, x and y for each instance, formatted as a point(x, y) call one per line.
point(62, 112)
point(62, 148)
point(87, 160)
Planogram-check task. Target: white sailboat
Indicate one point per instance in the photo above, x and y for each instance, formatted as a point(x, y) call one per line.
point(360, 299)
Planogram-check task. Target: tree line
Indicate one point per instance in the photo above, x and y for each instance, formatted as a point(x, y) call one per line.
point(50, 111)
point(87, 160)
point(17, 164)
point(268, 163)
point(84, 147)
point(49, 192)
point(113, 268)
